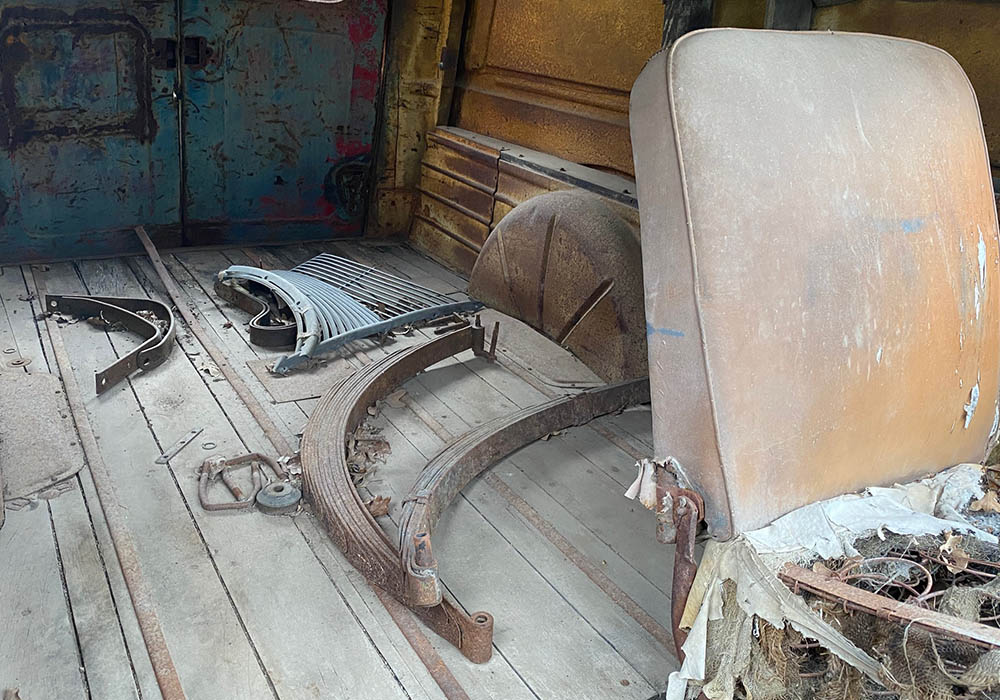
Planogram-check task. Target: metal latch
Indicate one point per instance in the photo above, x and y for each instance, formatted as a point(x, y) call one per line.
point(196, 52)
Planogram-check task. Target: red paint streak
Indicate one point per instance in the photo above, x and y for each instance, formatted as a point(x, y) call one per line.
point(365, 85)
point(361, 28)
point(324, 207)
point(347, 148)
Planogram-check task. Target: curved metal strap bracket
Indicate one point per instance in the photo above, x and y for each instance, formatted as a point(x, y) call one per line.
point(262, 334)
point(479, 449)
point(158, 339)
point(335, 500)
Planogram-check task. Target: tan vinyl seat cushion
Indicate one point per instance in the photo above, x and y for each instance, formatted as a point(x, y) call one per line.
point(820, 255)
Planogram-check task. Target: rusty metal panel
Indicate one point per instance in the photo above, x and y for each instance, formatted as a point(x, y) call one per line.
point(423, 35)
point(821, 266)
point(569, 266)
point(89, 126)
point(555, 76)
point(279, 117)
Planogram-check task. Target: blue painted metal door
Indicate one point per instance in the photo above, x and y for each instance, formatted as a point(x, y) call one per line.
point(279, 117)
point(89, 124)
point(252, 120)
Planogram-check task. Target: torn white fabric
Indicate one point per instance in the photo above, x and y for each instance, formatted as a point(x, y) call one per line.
point(825, 530)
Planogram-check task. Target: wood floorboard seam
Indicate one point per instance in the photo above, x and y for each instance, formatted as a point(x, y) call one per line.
point(204, 542)
point(357, 619)
point(111, 590)
point(554, 587)
point(30, 292)
point(69, 603)
point(542, 487)
point(547, 530)
point(187, 505)
point(243, 441)
point(6, 313)
point(206, 382)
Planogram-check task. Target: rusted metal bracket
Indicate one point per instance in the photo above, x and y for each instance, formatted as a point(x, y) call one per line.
point(335, 500)
point(800, 579)
point(158, 339)
point(678, 513)
point(688, 510)
point(261, 333)
point(468, 456)
point(220, 467)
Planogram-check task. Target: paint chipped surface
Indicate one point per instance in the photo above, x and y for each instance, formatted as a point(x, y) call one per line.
point(970, 408)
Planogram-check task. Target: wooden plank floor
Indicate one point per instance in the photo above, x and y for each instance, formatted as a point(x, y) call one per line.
point(266, 607)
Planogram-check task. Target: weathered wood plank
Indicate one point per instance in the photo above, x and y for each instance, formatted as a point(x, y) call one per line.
point(102, 644)
point(20, 307)
point(483, 566)
point(194, 607)
point(272, 578)
point(88, 588)
point(38, 647)
point(369, 613)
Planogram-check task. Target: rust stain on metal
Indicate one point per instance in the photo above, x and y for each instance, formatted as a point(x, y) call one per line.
point(687, 513)
point(416, 98)
point(26, 31)
point(470, 182)
point(529, 78)
point(567, 265)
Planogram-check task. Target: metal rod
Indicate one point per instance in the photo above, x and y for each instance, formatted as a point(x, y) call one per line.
point(379, 274)
point(425, 651)
point(239, 386)
point(331, 264)
point(114, 514)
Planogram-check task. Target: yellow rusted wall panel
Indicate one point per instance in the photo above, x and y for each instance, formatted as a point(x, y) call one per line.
point(466, 189)
point(601, 43)
point(555, 76)
point(415, 88)
point(746, 14)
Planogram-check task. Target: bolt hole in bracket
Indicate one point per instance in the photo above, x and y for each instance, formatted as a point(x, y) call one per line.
point(156, 327)
point(340, 508)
